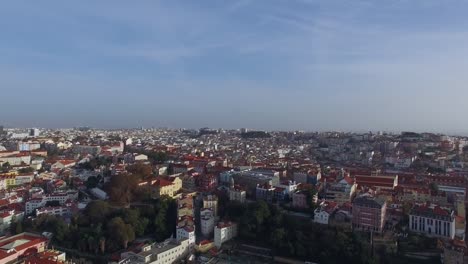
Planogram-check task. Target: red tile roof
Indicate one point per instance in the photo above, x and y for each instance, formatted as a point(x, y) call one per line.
point(32, 241)
point(377, 181)
point(162, 183)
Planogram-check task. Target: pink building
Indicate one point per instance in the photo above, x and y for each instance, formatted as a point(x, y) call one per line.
point(299, 200)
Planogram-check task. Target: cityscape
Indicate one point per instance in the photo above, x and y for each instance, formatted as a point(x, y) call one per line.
point(148, 195)
point(233, 132)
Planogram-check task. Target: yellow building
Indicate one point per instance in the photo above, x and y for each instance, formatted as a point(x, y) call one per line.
point(169, 187)
point(9, 179)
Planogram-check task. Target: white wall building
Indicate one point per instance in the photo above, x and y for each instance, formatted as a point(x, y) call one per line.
point(28, 146)
point(167, 252)
point(324, 211)
point(224, 231)
point(100, 194)
point(54, 210)
point(187, 233)
point(40, 202)
point(207, 221)
point(237, 194)
point(22, 179)
point(289, 186)
point(34, 132)
point(432, 220)
point(2, 183)
point(17, 159)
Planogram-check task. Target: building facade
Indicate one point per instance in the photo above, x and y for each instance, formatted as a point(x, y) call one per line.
point(432, 220)
point(224, 231)
point(369, 214)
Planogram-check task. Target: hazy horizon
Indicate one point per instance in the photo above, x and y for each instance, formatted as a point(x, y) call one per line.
point(272, 65)
point(317, 130)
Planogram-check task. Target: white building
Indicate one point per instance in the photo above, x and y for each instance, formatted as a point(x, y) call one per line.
point(207, 221)
point(39, 202)
point(33, 204)
point(323, 212)
point(63, 164)
point(187, 233)
point(19, 135)
point(34, 132)
point(64, 145)
point(2, 183)
point(54, 210)
point(28, 146)
point(140, 157)
point(432, 220)
point(237, 194)
point(289, 186)
point(167, 252)
point(17, 159)
point(133, 157)
point(224, 231)
point(22, 179)
point(100, 194)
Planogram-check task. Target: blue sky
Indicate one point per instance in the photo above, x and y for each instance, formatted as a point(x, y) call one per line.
point(266, 64)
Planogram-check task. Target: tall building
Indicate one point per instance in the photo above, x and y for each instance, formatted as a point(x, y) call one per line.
point(207, 221)
point(185, 220)
point(251, 178)
point(224, 231)
point(369, 213)
point(236, 193)
point(211, 201)
point(34, 132)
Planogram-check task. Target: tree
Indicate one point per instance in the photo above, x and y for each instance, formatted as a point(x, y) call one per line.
point(102, 244)
point(6, 167)
point(92, 182)
point(97, 211)
point(157, 157)
point(19, 227)
point(310, 197)
point(434, 187)
point(16, 226)
point(277, 238)
point(141, 170)
point(120, 232)
point(132, 217)
point(26, 170)
point(122, 188)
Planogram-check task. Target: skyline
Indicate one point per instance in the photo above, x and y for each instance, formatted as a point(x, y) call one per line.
point(41, 129)
point(272, 65)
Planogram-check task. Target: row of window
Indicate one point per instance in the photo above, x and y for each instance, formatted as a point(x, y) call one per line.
point(442, 228)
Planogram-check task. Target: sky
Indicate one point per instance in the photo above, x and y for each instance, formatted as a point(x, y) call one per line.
point(348, 65)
